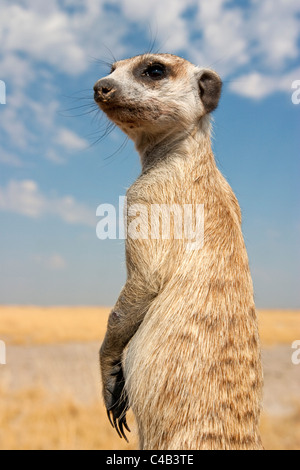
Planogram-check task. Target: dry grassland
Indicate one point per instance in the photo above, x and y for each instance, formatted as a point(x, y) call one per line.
point(49, 389)
point(38, 325)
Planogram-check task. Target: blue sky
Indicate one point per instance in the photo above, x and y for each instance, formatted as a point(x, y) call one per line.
point(52, 177)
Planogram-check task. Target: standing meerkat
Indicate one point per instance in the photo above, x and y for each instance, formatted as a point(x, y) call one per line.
point(182, 344)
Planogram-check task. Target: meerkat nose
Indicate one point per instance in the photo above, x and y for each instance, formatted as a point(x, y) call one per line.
point(104, 90)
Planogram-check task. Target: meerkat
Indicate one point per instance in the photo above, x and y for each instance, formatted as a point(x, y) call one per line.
point(182, 346)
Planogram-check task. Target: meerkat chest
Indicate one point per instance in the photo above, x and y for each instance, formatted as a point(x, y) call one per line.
point(166, 184)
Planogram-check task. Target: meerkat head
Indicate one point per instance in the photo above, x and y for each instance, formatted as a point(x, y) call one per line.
point(155, 94)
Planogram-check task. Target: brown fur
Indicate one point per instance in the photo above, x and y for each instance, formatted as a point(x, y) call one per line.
point(184, 329)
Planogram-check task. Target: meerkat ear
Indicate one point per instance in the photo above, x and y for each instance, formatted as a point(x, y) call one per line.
point(210, 86)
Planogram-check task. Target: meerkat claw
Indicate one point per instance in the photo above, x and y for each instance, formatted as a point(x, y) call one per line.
point(122, 422)
point(109, 417)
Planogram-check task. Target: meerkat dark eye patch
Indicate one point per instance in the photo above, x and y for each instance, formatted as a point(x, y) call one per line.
point(155, 71)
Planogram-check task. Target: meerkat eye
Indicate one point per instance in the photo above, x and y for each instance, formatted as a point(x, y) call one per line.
point(155, 71)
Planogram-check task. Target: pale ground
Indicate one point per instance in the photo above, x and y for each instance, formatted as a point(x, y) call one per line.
point(50, 387)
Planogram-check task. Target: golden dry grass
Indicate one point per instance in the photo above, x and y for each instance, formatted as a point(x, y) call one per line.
point(279, 326)
point(281, 432)
point(33, 418)
point(41, 325)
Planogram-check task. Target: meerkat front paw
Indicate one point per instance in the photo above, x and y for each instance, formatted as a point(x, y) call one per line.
point(115, 398)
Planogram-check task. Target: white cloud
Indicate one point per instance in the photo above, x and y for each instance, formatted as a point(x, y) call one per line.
point(53, 157)
point(275, 26)
point(41, 36)
point(40, 40)
point(230, 37)
point(71, 211)
point(21, 113)
point(22, 197)
point(223, 40)
point(53, 262)
point(25, 198)
point(263, 37)
point(44, 111)
point(162, 17)
point(256, 85)
point(9, 159)
point(50, 33)
point(70, 141)
point(13, 129)
point(15, 70)
point(255, 42)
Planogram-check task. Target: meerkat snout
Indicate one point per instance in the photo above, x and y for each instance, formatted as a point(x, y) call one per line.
point(104, 90)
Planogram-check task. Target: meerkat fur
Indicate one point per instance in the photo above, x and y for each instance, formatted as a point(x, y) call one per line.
point(182, 346)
